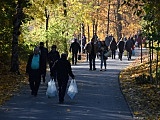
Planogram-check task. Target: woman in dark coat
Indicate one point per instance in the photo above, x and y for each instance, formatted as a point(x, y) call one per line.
point(120, 45)
point(35, 69)
point(113, 47)
point(102, 50)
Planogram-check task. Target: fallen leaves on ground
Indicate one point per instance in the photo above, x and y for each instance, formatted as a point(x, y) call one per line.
point(143, 99)
point(10, 82)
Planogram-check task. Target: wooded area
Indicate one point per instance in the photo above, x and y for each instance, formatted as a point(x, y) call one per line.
point(25, 23)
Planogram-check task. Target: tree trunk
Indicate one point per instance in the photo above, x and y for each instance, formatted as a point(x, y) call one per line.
point(47, 21)
point(63, 32)
point(16, 33)
point(119, 18)
point(108, 17)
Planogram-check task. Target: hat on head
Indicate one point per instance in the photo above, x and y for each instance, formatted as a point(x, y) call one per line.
point(64, 56)
point(41, 43)
point(54, 46)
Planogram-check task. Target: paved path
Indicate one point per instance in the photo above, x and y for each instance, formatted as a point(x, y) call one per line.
point(99, 98)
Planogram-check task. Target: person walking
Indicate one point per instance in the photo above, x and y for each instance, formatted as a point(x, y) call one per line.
point(103, 49)
point(113, 47)
point(120, 45)
point(35, 69)
point(53, 56)
point(44, 54)
point(92, 49)
point(75, 48)
point(61, 71)
point(128, 47)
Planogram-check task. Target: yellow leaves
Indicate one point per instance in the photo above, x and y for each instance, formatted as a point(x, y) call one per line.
point(9, 82)
point(143, 99)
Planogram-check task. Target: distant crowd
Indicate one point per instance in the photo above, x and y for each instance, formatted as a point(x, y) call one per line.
point(60, 67)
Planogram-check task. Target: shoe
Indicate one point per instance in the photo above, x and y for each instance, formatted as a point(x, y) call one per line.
point(94, 68)
point(105, 69)
point(35, 94)
point(100, 69)
point(32, 93)
point(61, 102)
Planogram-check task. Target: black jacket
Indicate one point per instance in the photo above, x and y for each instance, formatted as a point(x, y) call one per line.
point(62, 70)
point(75, 47)
point(52, 57)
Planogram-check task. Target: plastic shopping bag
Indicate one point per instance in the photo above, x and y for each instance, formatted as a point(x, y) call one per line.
point(51, 89)
point(133, 52)
point(72, 90)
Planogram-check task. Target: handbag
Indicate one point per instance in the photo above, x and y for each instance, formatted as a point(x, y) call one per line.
point(51, 89)
point(72, 90)
point(79, 57)
point(108, 53)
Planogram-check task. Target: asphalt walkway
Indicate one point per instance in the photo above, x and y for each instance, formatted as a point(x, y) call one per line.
point(99, 98)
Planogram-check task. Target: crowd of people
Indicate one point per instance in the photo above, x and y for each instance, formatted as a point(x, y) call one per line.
point(60, 66)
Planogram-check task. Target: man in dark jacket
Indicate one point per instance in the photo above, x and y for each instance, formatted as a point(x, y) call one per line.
point(75, 48)
point(120, 45)
point(44, 54)
point(128, 47)
point(53, 56)
point(61, 71)
point(113, 47)
point(92, 49)
point(35, 69)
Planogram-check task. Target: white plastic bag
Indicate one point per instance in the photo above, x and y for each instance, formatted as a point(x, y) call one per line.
point(51, 89)
point(72, 90)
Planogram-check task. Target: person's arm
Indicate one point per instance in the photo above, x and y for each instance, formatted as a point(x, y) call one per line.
point(53, 71)
point(70, 49)
point(70, 71)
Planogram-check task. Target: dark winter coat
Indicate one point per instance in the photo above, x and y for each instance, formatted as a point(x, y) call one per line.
point(129, 45)
point(75, 47)
point(52, 57)
point(113, 45)
point(62, 70)
point(120, 45)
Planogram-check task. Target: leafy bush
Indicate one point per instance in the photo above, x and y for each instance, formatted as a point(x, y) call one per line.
point(143, 79)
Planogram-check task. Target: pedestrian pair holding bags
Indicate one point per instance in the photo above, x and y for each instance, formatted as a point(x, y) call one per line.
point(61, 71)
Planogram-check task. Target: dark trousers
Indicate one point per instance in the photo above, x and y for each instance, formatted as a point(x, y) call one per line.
point(74, 58)
point(62, 84)
point(129, 53)
point(34, 81)
point(120, 55)
point(92, 61)
point(113, 54)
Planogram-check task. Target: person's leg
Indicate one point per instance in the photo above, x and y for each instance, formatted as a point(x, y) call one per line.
point(105, 64)
point(101, 65)
point(37, 81)
point(114, 54)
point(130, 54)
point(72, 58)
point(93, 59)
point(44, 77)
point(120, 55)
point(31, 84)
point(60, 90)
point(75, 58)
point(32, 81)
point(64, 86)
point(90, 62)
